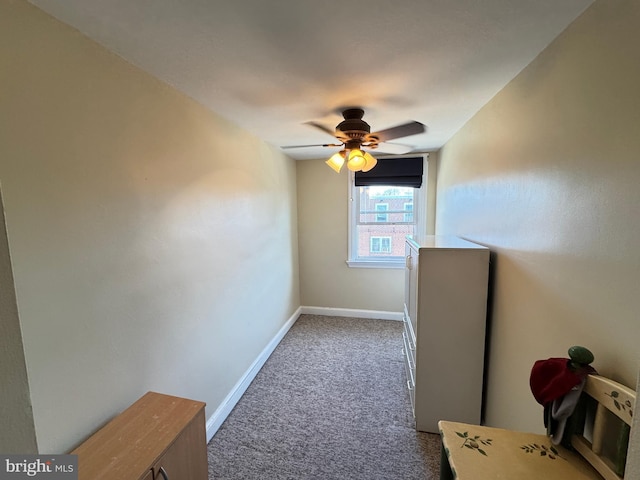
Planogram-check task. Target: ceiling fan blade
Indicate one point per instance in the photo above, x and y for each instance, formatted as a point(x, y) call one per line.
point(317, 145)
point(411, 128)
point(393, 148)
point(319, 126)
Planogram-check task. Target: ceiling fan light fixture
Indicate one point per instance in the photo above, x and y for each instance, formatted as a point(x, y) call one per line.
point(370, 162)
point(356, 161)
point(337, 160)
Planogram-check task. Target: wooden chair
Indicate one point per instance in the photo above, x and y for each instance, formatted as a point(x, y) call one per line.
point(597, 449)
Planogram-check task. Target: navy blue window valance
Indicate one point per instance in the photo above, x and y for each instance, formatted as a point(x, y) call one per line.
point(395, 172)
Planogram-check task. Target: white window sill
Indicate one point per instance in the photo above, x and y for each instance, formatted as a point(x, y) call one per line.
point(376, 263)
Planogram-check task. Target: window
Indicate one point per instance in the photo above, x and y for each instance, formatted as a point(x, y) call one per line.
point(380, 245)
point(382, 207)
point(408, 207)
point(380, 218)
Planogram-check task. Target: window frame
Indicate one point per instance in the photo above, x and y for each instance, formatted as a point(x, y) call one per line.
point(419, 212)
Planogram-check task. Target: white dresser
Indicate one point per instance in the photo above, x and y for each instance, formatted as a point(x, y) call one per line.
point(445, 309)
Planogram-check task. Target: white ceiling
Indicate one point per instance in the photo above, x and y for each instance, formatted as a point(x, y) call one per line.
point(272, 65)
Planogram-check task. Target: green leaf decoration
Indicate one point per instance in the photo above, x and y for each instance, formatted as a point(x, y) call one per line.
point(624, 407)
point(473, 443)
point(550, 452)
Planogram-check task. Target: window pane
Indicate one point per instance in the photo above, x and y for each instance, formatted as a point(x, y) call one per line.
point(383, 234)
point(380, 245)
point(382, 207)
point(408, 217)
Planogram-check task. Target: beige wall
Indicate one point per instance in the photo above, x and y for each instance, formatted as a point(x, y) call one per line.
point(547, 175)
point(153, 244)
point(325, 278)
point(18, 435)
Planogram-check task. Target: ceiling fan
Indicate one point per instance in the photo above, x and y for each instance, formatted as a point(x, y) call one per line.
point(355, 134)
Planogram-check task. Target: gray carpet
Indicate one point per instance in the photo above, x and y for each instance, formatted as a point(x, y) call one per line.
point(330, 403)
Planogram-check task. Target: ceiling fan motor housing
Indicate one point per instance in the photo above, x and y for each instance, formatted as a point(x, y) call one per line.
point(353, 128)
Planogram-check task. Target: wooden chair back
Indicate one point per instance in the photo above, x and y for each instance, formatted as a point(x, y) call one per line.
point(603, 424)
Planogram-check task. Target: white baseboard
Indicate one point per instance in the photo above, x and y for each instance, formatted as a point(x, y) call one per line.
point(351, 312)
point(222, 412)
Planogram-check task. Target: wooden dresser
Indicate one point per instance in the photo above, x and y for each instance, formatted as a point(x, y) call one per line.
point(159, 437)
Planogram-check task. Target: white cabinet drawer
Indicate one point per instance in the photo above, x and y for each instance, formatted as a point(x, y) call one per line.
point(411, 380)
point(409, 343)
point(408, 327)
point(409, 351)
